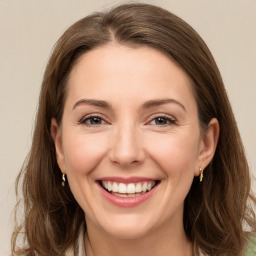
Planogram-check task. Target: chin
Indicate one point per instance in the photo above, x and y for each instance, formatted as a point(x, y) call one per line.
point(128, 227)
point(128, 233)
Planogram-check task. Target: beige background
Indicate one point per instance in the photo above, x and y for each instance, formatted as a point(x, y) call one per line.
point(29, 29)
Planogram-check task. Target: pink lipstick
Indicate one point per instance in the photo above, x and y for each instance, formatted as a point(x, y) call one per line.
point(127, 192)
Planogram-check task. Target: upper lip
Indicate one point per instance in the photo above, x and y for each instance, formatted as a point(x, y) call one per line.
point(132, 179)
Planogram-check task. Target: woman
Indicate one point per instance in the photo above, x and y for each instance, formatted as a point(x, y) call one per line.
point(135, 150)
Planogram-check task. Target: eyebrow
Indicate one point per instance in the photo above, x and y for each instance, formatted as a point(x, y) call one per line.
point(96, 103)
point(158, 102)
point(146, 105)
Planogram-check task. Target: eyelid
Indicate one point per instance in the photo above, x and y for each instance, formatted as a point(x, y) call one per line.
point(149, 119)
point(157, 115)
point(99, 115)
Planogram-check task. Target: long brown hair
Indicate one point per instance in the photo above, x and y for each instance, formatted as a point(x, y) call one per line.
point(215, 211)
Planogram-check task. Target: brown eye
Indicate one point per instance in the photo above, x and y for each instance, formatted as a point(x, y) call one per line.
point(93, 120)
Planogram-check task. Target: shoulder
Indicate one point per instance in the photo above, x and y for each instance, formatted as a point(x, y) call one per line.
point(250, 249)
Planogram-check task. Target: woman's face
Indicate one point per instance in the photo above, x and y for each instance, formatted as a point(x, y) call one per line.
point(130, 141)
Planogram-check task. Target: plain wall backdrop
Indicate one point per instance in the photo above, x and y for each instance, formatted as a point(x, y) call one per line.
point(29, 29)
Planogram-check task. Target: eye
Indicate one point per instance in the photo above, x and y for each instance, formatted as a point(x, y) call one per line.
point(162, 121)
point(93, 121)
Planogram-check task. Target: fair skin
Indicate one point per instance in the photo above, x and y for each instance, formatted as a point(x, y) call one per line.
point(130, 116)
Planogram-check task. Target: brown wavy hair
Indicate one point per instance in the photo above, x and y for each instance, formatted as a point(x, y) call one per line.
point(215, 211)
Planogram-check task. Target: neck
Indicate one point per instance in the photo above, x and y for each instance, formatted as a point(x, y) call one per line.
point(165, 242)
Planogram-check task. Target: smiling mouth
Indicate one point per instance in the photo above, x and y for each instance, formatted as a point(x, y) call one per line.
point(128, 189)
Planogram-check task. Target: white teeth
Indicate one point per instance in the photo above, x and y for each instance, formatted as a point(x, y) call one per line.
point(109, 188)
point(127, 195)
point(144, 187)
point(129, 189)
point(138, 188)
point(104, 184)
point(120, 195)
point(150, 185)
point(122, 188)
point(114, 187)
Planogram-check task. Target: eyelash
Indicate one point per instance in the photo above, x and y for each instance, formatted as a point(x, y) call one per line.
point(167, 119)
point(90, 118)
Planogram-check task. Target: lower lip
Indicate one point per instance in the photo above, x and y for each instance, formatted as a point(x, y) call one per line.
point(127, 201)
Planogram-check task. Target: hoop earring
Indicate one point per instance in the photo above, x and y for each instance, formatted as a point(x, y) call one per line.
point(201, 174)
point(63, 180)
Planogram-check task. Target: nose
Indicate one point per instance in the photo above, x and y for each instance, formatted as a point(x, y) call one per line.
point(127, 149)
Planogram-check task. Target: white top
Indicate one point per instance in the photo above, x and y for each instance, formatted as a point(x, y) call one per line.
point(80, 244)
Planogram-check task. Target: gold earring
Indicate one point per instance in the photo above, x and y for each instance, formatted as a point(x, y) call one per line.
point(63, 179)
point(201, 174)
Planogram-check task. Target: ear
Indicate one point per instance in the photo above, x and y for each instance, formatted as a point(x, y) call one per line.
point(57, 138)
point(208, 145)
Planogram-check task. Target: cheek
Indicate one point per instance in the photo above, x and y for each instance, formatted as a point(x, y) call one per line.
point(83, 152)
point(176, 154)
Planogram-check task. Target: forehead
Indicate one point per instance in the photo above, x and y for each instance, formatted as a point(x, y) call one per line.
point(121, 71)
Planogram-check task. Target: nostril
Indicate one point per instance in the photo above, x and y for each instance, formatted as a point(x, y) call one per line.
point(127, 150)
